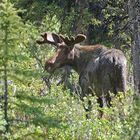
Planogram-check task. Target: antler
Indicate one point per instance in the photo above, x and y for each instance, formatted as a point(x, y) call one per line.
point(50, 38)
point(71, 41)
point(58, 40)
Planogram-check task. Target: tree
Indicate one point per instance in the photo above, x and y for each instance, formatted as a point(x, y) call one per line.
point(10, 37)
point(13, 61)
point(134, 13)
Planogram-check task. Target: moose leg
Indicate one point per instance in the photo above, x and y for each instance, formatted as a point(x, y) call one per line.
point(88, 109)
point(100, 102)
point(84, 83)
point(104, 100)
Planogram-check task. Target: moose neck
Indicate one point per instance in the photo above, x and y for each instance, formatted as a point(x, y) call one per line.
point(84, 54)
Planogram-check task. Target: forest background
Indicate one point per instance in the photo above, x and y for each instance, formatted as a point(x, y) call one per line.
point(35, 107)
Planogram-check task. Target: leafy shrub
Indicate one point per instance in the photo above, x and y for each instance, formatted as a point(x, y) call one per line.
point(36, 113)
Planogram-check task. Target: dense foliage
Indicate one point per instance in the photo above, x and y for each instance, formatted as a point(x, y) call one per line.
point(32, 110)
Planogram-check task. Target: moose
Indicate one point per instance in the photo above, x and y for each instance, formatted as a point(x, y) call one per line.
point(101, 70)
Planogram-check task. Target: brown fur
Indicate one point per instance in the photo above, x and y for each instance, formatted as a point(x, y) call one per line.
point(89, 48)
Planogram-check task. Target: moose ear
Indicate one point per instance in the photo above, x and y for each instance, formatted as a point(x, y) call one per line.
point(71, 55)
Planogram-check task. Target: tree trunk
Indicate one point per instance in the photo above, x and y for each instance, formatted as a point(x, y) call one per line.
point(81, 6)
point(6, 81)
point(134, 13)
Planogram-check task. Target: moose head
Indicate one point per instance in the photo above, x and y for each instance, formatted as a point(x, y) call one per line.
point(64, 53)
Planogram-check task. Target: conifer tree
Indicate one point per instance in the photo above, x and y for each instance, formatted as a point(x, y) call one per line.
point(11, 34)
